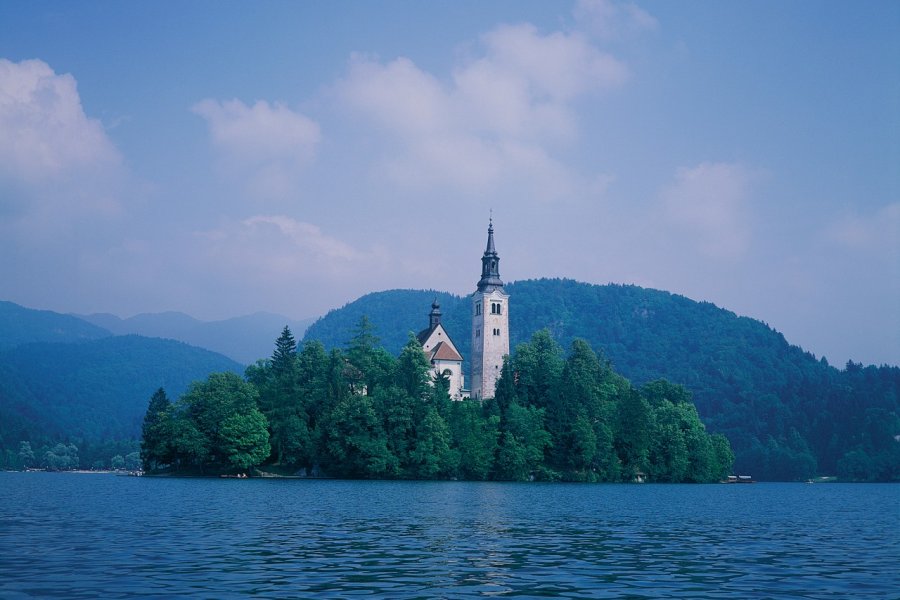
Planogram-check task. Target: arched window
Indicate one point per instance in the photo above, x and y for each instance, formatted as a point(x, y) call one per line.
point(478, 309)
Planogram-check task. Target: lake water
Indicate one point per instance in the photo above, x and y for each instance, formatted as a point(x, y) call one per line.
point(72, 535)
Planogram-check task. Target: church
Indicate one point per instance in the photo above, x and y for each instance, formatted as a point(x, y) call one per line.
point(490, 334)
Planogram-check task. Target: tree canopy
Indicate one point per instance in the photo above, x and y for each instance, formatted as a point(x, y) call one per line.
point(363, 413)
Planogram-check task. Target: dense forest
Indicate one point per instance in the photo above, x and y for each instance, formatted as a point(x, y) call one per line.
point(90, 394)
point(363, 413)
point(787, 414)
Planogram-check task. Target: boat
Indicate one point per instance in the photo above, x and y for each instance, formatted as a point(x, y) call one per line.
point(738, 479)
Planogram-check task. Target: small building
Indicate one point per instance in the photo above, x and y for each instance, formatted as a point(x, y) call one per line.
point(441, 353)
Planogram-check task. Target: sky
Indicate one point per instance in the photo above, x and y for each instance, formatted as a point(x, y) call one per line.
point(223, 158)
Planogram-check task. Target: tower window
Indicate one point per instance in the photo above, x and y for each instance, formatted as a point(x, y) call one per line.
point(478, 309)
point(477, 333)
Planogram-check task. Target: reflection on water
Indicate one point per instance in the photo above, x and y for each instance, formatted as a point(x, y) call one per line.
point(87, 536)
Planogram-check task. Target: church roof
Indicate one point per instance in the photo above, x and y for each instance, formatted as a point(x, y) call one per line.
point(437, 344)
point(444, 351)
point(423, 335)
point(490, 265)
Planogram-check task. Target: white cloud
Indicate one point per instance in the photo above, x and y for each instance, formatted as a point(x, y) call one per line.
point(58, 168)
point(266, 144)
point(878, 231)
point(266, 248)
point(44, 132)
point(708, 206)
point(497, 120)
point(610, 20)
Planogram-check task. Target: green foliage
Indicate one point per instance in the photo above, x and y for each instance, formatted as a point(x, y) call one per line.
point(474, 436)
point(61, 457)
point(26, 455)
point(244, 439)
point(746, 381)
point(215, 426)
point(153, 432)
point(92, 393)
point(552, 418)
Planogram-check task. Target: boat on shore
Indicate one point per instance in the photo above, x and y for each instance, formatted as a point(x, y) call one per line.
point(739, 479)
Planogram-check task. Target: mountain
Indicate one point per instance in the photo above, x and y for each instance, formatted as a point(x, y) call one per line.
point(787, 414)
point(97, 389)
point(20, 325)
point(244, 339)
point(64, 378)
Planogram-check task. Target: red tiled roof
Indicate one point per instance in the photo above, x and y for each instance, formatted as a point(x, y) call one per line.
point(444, 351)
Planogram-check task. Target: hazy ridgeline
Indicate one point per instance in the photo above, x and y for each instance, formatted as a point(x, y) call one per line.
point(787, 414)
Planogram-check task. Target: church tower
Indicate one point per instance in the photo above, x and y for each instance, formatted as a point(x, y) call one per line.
point(490, 324)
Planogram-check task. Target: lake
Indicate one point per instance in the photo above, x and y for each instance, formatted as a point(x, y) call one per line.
point(67, 535)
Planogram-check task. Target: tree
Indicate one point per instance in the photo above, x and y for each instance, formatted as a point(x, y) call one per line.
point(430, 456)
point(133, 461)
point(724, 456)
point(412, 373)
point(397, 413)
point(354, 444)
point(61, 457)
point(523, 443)
point(634, 431)
point(537, 364)
point(219, 424)
point(26, 455)
point(154, 436)
point(474, 438)
point(372, 365)
point(282, 403)
point(244, 439)
point(285, 352)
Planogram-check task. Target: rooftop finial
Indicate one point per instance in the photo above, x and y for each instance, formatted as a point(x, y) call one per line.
point(490, 262)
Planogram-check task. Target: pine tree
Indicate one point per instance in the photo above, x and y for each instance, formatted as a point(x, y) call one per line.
point(153, 437)
point(285, 352)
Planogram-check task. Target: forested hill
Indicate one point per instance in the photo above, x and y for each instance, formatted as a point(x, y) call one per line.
point(787, 415)
point(244, 339)
point(20, 325)
point(96, 390)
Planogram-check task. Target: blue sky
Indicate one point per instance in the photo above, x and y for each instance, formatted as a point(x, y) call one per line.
point(221, 158)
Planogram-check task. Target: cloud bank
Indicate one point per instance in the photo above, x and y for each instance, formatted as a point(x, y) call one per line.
point(496, 119)
point(56, 163)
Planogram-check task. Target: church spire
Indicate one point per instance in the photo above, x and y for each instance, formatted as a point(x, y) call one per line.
point(490, 264)
point(434, 317)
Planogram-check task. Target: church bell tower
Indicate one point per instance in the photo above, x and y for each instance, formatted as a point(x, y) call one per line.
point(490, 324)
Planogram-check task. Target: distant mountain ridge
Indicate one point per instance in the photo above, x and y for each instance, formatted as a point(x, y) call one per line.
point(787, 414)
point(62, 377)
point(244, 339)
point(98, 389)
point(20, 325)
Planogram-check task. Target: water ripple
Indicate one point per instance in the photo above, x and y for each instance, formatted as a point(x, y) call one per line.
point(86, 536)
